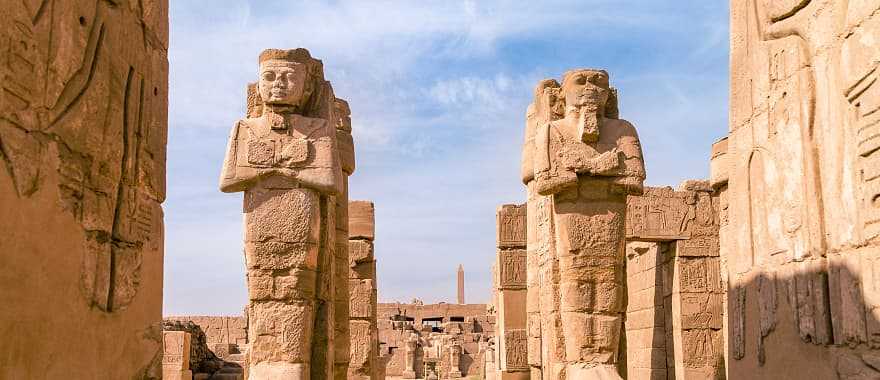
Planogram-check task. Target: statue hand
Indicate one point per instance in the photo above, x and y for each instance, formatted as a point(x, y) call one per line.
point(606, 162)
point(548, 183)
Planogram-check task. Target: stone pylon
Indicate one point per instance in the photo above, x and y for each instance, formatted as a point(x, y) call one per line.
point(362, 292)
point(579, 162)
point(285, 157)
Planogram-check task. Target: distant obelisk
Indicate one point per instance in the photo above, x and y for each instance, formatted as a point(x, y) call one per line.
point(460, 284)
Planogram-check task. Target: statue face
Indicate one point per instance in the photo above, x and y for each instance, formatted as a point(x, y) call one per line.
point(586, 88)
point(282, 83)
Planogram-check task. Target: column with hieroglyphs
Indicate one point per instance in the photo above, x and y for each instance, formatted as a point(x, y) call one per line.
point(510, 293)
point(175, 355)
point(364, 333)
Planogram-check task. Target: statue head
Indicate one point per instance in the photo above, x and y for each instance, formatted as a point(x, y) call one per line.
point(586, 88)
point(288, 77)
point(587, 99)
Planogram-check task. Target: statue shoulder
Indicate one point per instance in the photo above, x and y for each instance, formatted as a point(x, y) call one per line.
point(314, 127)
point(621, 128)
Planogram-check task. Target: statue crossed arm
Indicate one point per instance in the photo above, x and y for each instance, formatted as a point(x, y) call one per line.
point(306, 161)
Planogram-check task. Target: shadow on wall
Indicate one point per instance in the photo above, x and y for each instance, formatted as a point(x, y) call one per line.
point(805, 320)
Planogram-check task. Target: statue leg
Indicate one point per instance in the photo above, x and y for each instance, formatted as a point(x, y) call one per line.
point(282, 248)
point(590, 247)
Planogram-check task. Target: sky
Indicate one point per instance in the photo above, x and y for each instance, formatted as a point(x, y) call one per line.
point(438, 92)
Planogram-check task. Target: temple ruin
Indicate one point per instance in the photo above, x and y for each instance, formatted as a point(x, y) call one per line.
point(765, 270)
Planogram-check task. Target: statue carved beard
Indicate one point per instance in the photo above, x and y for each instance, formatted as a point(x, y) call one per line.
point(589, 119)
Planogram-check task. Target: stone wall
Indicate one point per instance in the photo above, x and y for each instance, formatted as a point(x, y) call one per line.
point(223, 335)
point(83, 128)
point(800, 175)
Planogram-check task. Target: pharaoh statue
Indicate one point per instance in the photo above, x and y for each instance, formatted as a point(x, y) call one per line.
point(580, 161)
point(285, 159)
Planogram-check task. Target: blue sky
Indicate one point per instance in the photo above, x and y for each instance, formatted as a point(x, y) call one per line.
point(438, 92)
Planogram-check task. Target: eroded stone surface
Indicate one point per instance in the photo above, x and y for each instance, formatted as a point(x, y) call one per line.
point(83, 128)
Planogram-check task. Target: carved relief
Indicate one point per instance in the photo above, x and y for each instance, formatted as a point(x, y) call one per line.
point(512, 226)
point(516, 350)
point(864, 98)
point(176, 350)
point(110, 177)
point(512, 271)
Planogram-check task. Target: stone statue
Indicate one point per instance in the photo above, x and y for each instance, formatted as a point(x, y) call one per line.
point(454, 359)
point(579, 163)
point(284, 158)
point(409, 362)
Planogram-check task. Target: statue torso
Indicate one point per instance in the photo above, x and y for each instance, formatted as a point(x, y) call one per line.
point(567, 150)
point(262, 147)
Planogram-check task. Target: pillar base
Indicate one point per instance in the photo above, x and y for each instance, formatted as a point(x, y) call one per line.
point(409, 375)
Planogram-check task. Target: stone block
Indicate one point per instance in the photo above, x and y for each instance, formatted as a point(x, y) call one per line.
point(361, 220)
point(511, 230)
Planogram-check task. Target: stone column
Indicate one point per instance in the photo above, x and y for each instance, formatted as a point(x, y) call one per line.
point(285, 158)
point(454, 359)
point(696, 297)
point(176, 355)
point(362, 292)
point(510, 292)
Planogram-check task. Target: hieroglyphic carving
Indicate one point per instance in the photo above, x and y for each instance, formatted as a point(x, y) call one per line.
point(176, 355)
point(512, 226)
point(363, 298)
point(176, 349)
point(83, 127)
point(702, 347)
point(48, 95)
point(659, 213)
point(864, 96)
point(512, 269)
point(516, 350)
